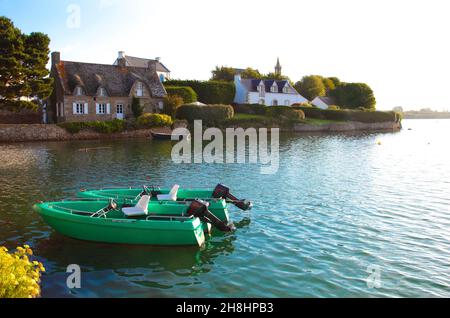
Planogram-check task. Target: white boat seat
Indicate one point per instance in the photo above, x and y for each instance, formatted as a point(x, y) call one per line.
point(140, 209)
point(172, 196)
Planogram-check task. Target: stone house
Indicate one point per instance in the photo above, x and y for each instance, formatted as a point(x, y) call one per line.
point(88, 92)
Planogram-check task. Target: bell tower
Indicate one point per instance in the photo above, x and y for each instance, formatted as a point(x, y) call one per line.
point(278, 67)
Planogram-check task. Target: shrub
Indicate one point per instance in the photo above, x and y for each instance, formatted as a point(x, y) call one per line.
point(305, 104)
point(19, 276)
point(149, 120)
point(210, 114)
point(186, 93)
point(285, 113)
point(136, 107)
point(333, 107)
point(171, 103)
point(252, 109)
point(72, 128)
point(210, 92)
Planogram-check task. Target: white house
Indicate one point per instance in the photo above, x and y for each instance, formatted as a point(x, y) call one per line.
point(266, 92)
point(323, 102)
point(162, 71)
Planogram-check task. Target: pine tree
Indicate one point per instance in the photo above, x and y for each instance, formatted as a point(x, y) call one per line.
point(23, 73)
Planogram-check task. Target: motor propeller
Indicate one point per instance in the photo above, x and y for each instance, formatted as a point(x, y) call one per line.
point(199, 209)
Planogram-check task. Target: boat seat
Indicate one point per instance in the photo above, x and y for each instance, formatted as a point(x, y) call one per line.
point(172, 196)
point(140, 209)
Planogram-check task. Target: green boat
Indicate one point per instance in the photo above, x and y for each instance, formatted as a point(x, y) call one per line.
point(217, 197)
point(163, 223)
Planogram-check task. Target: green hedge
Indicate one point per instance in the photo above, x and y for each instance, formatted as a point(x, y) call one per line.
point(277, 112)
point(351, 115)
point(209, 92)
point(104, 127)
point(251, 109)
point(185, 92)
point(149, 120)
point(210, 114)
point(285, 113)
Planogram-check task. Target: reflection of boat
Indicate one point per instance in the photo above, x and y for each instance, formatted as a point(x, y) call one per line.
point(152, 223)
point(165, 136)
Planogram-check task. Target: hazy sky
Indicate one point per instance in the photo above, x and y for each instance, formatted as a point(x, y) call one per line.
point(400, 48)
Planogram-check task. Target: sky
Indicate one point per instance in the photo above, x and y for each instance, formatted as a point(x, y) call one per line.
point(400, 48)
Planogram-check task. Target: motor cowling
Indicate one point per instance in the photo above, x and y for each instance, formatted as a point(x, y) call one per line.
point(199, 209)
point(222, 191)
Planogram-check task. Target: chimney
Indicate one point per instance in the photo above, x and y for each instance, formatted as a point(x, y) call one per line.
point(152, 65)
point(121, 59)
point(56, 58)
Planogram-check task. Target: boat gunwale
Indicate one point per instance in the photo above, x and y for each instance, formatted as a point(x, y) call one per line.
point(47, 210)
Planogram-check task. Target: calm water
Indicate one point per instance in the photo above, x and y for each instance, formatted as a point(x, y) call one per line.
point(339, 204)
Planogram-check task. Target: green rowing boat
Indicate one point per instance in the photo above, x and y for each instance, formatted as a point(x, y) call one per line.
point(217, 197)
point(160, 223)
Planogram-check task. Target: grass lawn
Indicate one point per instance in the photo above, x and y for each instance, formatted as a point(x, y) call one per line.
point(249, 117)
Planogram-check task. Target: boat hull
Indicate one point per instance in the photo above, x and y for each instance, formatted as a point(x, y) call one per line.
point(123, 231)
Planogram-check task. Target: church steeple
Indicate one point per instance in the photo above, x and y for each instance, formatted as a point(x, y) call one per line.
point(278, 67)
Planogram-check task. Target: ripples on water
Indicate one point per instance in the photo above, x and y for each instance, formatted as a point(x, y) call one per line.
point(338, 204)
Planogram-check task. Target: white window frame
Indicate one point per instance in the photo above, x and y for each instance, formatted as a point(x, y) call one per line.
point(274, 88)
point(286, 90)
point(79, 108)
point(101, 108)
point(139, 89)
point(119, 106)
point(262, 90)
point(102, 92)
point(275, 102)
point(79, 91)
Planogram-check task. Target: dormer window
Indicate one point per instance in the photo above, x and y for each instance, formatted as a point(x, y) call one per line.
point(261, 90)
point(79, 91)
point(102, 92)
point(139, 89)
point(274, 88)
point(286, 89)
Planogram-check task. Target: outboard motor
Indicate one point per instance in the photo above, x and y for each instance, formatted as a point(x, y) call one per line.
point(199, 209)
point(223, 192)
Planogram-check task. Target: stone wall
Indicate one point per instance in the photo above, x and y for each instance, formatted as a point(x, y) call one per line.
point(40, 132)
point(348, 126)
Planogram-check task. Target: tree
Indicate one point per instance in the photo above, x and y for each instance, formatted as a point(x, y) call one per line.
point(23, 74)
point(354, 95)
point(275, 76)
point(136, 107)
point(223, 73)
point(36, 58)
point(311, 86)
point(329, 84)
point(336, 81)
point(251, 73)
point(171, 104)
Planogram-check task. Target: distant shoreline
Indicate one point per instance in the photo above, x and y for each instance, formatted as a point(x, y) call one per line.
point(421, 115)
